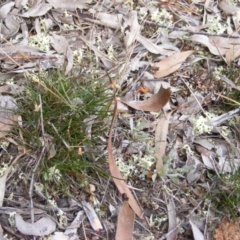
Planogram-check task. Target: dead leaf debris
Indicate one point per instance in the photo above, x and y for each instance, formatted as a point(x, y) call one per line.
point(169, 140)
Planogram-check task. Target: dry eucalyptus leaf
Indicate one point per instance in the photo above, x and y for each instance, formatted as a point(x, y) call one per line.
point(208, 157)
point(172, 221)
point(197, 166)
point(171, 64)
point(59, 236)
point(42, 227)
point(92, 216)
point(5, 9)
point(3, 180)
point(71, 230)
point(232, 54)
point(117, 176)
point(37, 10)
point(70, 4)
point(11, 27)
point(133, 29)
point(1, 232)
point(164, 49)
point(228, 8)
point(7, 117)
point(60, 44)
point(152, 104)
point(196, 232)
point(220, 46)
point(105, 19)
point(125, 223)
point(161, 139)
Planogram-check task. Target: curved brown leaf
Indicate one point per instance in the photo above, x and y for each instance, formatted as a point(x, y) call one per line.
point(171, 64)
point(125, 223)
point(152, 104)
point(117, 176)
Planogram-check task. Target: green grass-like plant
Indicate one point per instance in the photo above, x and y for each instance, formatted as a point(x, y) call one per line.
point(226, 196)
point(72, 117)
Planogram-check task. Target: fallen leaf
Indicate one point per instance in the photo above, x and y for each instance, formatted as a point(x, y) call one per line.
point(60, 44)
point(1, 232)
point(108, 20)
point(164, 49)
point(227, 7)
point(172, 221)
point(197, 166)
point(220, 46)
point(59, 236)
point(171, 64)
point(197, 234)
point(232, 54)
point(37, 10)
point(7, 117)
point(11, 27)
point(125, 223)
point(69, 4)
point(42, 227)
point(117, 176)
point(71, 230)
point(205, 40)
point(152, 104)
point(208, 157)
point(3, 180)
point(92, 216)
point(5, 9)
point(133, 29)
point(161, 139)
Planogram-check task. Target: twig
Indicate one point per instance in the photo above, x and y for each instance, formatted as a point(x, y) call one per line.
point(56, 131)
point(84, 232)
point(189, 31)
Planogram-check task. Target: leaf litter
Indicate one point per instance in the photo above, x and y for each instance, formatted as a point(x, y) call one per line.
point(189, 51)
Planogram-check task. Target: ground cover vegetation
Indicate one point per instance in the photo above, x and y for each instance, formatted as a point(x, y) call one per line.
point(119, 119)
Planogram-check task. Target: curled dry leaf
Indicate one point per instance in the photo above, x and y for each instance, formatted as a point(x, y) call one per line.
point(171, 64)
point(5, 9)
point(42, 227)
point(152, 104)
point(10, 27)
point(125, 223)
